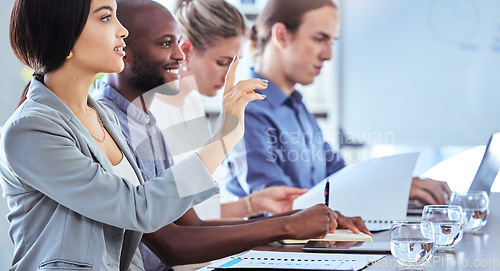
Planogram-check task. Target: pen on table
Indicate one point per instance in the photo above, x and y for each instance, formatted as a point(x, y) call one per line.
point(327, 192)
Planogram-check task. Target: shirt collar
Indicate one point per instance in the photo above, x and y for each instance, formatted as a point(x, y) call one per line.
point(274, 95)
point(295, 99)
point(124, 105)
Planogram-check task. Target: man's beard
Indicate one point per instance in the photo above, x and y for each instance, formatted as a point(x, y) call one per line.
point(146, 76)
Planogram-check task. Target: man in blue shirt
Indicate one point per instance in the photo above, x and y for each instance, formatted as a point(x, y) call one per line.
point(283, 144)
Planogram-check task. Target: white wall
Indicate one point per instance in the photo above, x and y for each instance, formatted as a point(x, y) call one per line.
point(10, 67)
point(425, 71)
point(12, 87)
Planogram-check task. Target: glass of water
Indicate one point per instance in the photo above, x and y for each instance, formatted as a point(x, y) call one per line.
point(412, 242)
point(475, 205)
point(448, 223)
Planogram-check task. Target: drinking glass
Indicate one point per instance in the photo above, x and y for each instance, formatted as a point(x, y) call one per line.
point(448, 223)
point(412, 242)
point(475, 205)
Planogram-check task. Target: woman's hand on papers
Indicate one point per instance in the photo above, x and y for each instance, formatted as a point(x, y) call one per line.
point(429, 191)
point(276, 199)
point(355, 223)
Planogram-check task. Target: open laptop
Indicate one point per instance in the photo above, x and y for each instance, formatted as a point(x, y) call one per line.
point(488, 169)
point(485, 174)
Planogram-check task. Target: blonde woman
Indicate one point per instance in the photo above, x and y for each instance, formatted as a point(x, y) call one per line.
point(212, 32)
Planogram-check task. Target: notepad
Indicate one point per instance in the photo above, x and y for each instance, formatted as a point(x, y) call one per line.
point(377, 190)
point(338, 235)
point(296, 260)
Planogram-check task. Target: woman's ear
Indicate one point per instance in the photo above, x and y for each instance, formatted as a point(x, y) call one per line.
point(279, 35)
point(187, 48)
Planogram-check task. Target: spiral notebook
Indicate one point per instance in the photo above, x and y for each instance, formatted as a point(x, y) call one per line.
point(375, 189)
point(296, 260)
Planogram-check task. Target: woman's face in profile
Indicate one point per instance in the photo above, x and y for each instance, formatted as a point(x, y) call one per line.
point(311, 45)
point(100, 46)
point(210, 67)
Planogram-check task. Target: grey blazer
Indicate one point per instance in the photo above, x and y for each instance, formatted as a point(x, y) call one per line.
point(67, 210)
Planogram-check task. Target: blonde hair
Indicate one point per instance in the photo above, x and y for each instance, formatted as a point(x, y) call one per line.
point(203, 22)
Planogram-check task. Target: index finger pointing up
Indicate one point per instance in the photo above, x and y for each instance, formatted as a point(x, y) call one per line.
point(231, 73)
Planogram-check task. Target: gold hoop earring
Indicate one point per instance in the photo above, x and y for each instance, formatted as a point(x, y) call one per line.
point(70, 55)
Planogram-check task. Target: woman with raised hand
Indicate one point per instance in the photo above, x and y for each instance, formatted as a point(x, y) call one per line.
point(62, 153)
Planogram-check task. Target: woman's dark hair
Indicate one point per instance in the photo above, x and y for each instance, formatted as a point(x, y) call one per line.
point(288, 12)
point(42, 33)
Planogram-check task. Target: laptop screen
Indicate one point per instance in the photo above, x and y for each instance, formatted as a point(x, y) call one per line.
point(488, 169)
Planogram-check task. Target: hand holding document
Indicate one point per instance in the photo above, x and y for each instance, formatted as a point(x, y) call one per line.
point(376, 189)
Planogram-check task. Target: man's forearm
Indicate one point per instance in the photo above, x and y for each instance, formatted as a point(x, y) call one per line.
point(176, 245)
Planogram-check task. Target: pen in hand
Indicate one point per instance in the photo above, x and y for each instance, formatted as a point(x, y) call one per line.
point(327, 192)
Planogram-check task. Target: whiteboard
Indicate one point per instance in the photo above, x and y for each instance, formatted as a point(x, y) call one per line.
point(420, 72)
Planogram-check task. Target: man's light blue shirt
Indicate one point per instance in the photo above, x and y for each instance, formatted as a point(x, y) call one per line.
point(283, 145)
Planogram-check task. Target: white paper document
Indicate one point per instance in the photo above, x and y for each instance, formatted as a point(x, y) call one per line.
point(296, 260)
point(376, 189)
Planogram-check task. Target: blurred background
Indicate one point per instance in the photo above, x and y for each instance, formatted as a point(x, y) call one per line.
point(406, 76)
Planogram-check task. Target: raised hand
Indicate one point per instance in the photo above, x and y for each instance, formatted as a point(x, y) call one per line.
point(231, 122)
point(235, 99)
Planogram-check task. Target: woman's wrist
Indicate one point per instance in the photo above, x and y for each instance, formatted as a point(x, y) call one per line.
point(249, 207)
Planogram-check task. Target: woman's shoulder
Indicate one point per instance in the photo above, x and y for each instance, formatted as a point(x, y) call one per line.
point(33, 110)
point(41, 103)
point(33, 122)
point(32, 113)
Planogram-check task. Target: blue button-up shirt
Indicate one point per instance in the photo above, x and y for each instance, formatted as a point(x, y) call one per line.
point(283, 145)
